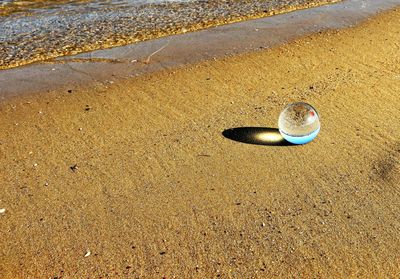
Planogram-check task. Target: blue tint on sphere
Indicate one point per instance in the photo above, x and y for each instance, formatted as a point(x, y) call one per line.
point(300, 140)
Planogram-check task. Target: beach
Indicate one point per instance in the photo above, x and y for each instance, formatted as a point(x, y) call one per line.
point(135, 178)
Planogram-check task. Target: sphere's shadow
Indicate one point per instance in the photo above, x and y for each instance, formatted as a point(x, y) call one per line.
point(256, 135)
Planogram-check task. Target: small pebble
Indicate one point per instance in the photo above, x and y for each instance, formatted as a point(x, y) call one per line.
point(2, 210)
point(88, 253)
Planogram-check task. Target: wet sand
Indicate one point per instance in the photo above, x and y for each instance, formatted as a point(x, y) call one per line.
point(139, 174)
point(33, 31)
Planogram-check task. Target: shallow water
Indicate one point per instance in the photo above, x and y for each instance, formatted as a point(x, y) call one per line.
point(23, 8)
point(39, 30)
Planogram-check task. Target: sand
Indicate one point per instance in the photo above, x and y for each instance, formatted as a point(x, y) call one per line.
point(139, 174)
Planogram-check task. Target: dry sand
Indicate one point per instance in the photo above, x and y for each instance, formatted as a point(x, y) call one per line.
point(139, 174)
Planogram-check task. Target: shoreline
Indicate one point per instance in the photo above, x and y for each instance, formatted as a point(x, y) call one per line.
point(135, 30)
point(193, 47)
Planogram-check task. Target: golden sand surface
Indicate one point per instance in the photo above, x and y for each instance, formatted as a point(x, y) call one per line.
point(136, 180)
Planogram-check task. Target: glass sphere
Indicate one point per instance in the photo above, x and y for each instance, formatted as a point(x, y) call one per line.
point(299, 123)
